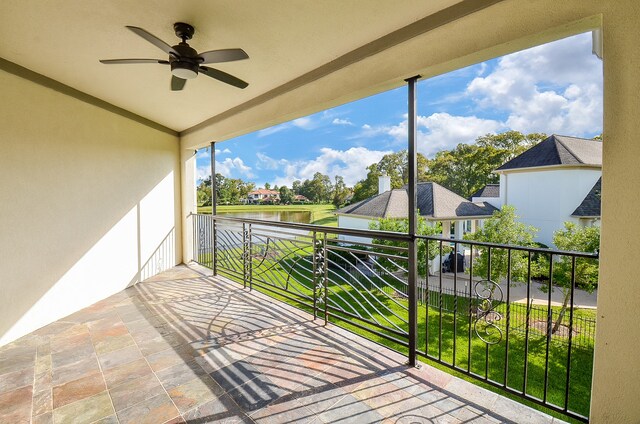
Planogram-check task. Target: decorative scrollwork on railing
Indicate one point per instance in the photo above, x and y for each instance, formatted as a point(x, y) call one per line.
point(485, 325)
point(246, 252)
point(319, 274)
point(202, 237)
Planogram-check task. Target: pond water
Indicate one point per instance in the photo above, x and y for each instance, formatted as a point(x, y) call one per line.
point(301, 217)
point(261, 233)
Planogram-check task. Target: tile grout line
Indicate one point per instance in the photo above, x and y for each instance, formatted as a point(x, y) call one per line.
point(102, 372)
point(152, 371)
point(33, 386)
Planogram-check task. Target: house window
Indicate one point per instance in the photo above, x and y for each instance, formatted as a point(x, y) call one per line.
point(467, 226)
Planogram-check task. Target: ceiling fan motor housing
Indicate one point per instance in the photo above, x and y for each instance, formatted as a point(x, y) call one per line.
point(186, 65)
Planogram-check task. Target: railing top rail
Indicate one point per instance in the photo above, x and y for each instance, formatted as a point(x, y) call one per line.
point(513, 247)
point(387, 235)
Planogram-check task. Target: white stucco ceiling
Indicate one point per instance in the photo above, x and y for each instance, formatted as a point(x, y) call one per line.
point(285, 39)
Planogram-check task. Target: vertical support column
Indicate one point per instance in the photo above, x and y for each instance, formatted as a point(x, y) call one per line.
point(413, 219)
point(188, 197)
point(214, 201)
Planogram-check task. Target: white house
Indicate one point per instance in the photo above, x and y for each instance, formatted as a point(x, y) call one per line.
point(555, 181)
point(435, 203)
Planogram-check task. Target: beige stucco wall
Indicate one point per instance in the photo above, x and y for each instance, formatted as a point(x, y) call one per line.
point(89, 204)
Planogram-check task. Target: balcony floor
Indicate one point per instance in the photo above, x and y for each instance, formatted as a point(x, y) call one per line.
point(187, 347)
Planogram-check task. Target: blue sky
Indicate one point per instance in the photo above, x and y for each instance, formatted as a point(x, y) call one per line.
point(553, 88)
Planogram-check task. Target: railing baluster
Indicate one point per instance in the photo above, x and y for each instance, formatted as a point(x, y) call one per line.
point(326, 278)
point(506, 349)
point(573, 287)
point(455, 300)
point(215, 248)
point(470, 305)
point(549, 318)
point(440, 308)
point(526, 332)
point(427, 305)
point(314, 283)
point(486, 353)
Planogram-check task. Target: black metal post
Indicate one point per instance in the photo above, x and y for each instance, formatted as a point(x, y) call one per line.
point(413, 218)
point(214, 200)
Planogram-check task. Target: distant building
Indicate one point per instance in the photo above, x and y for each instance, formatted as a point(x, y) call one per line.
point(263, 195)
point(557, 180)
point(436, 204)
point(299, 198)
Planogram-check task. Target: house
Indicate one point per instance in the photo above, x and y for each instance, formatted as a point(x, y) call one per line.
point(436, 204)
point(263, 195)
point(97, 163)
point(299, 198)
point(555, 181)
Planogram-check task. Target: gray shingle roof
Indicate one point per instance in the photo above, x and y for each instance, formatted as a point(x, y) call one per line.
point(490, 190)
point(434, 201)
point(590, 206)
point(558, 150)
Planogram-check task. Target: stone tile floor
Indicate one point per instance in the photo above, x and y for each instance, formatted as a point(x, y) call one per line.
point(186, 347)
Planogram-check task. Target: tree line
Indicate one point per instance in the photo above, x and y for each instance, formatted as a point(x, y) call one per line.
point(319, 189)
point(464, 169)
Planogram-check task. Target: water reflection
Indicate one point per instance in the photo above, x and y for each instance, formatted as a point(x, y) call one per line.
point(260, 234)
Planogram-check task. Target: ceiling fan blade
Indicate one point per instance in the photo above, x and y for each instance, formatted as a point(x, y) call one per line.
point(224, 55)
point(223, 76)
point(119, 61)
point(177, 84)
point(154, 40)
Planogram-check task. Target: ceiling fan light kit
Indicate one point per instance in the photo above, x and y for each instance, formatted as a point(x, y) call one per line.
point(185, 62)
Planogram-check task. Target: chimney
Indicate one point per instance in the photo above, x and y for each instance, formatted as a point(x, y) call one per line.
point(384, 183)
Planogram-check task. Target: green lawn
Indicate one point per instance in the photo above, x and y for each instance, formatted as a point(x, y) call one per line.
point(320, 214)
point(289, 273)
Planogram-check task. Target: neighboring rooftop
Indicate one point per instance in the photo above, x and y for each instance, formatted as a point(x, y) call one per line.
point(558, 150)
point(434, 201)
point(264, 191)
point(490, 190)
point(590, 206)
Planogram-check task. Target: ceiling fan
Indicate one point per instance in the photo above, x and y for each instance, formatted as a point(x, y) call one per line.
point(185, 62)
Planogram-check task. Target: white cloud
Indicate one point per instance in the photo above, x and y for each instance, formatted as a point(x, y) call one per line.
point(229, 167)
point(341, 121)
point(441, 131)
point(436, 132)
point(351, 164)
point(553, 88)
point(205, 154)
point(266, 162)
point(306, 123)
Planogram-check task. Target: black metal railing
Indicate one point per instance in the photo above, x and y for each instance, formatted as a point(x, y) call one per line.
point(467, 319)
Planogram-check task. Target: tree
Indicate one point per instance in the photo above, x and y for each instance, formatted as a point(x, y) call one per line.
point(340, 191)
point(267, 186)
point(228, 190)
point(402, 226)
point(296, 186)
point(395, 165)
point(502, 228)
point(286, 195)
point(469, 167)
point(577, 239)
point(318, 189)
point(203, 192)
point(367, 187)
